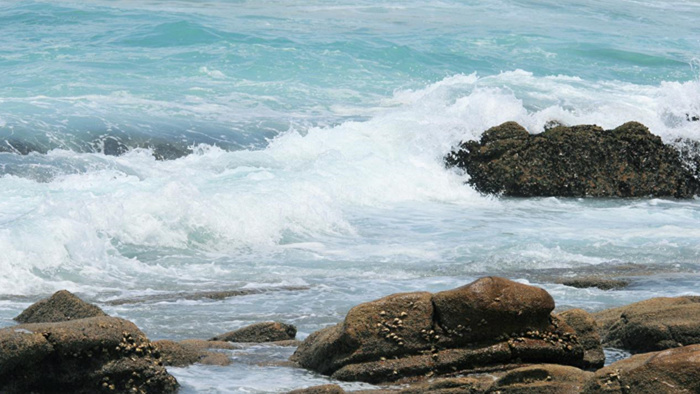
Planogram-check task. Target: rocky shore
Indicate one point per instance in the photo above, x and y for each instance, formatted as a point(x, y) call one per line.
point(499, 336)
point(490, 336)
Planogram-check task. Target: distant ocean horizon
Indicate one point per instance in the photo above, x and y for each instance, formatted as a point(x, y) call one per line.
point(153, 148)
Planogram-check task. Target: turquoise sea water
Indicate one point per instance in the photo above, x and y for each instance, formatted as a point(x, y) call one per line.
point(304, 145)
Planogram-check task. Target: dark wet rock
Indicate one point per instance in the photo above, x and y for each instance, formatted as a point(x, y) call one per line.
point(113, 147)
point(490, 322)
point(323, 389)
point(587, 332)
point(162, 150)
point(260, 332)
point(166, 151)
point(188, 352)
point(98, 354)
point(553, 124)
point(61, 306)
point(541, 379)
point(574, 161)
point(666, 372)
point(20, 147)
point(597, 282)
point(654, 324)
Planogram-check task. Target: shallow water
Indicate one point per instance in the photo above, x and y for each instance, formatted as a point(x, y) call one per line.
point(306, 143)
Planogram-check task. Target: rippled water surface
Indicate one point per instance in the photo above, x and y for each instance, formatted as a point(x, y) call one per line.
point(303, 146)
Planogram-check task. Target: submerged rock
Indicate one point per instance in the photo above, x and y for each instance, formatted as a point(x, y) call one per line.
point(490, 322)
point(597, 282)
point(665, 372)
point(654, 324)
point(260, 332)
point(574, 161)
point(61, 306)
point(98, 354)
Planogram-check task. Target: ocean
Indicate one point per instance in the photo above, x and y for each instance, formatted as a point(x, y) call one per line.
point(152, 150)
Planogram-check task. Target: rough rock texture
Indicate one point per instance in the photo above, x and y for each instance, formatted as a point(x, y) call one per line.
point(490, 322)
point(99, 354)
point(587, 332)
point(459, 385)
point(260, 332)
point(188, 352)
point(670, 371)
point(61, 306)
point(323, 389)
point(654, 324)
point(574, 161)
point(541, 379)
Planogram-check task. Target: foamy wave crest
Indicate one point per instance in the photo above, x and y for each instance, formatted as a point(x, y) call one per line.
point(99, 222)
point(482, 102)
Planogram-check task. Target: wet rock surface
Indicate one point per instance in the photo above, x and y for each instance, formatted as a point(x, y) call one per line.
point(574, 161)
point(490, 322)
point(650, 325)
point(597, 282)
point(61, 306)
point(98, 354)
point(665, 372)
point(260, 332)
point(203, 295)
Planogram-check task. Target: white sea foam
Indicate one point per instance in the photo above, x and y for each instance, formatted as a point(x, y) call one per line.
point(361, 191)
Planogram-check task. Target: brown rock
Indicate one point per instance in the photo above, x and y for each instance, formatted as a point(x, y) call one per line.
point(666, 372)
point(654, 324)
point(586, 330)
point(323, 389)
point(541, 379)
point(371, 331)
point(190, 351)
point(80, 356)
point(287, 343)
point(490, 307)
point(19, 346)
point(175, 354)
point(61, 306)
point(459, 385)
point(201, 344)
point(215, 358)
point(490, 322)
point(260, 332)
